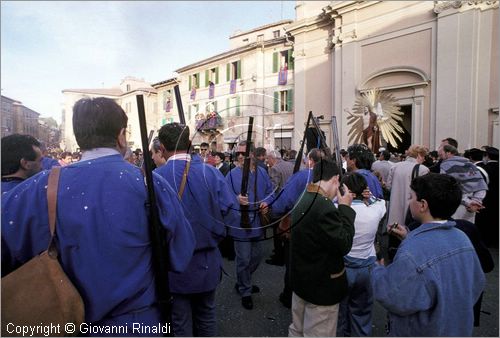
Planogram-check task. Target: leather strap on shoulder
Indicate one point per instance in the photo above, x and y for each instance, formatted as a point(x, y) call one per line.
point(52, 187)
point(184, 179)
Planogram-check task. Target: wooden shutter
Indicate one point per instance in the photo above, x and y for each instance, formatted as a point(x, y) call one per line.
point(217, 75)
point(276, 102)
point(198, 80)
point(207, 74)
point(228, 72)
point(290, 59)
point(275, 62)
point(190, 82)
point(289, 100)
point(238, 106)
point(238, 69)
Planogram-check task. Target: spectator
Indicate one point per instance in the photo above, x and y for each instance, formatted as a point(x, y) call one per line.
point(473, 184)
point(436, 277)
point(360, 160)
point(321, 235)
point(355, 314)
point(21, 159)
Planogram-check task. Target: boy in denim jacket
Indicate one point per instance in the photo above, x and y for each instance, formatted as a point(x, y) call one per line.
point(436, 277)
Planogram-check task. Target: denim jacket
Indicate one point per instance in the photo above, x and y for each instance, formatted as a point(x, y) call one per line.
point(432, 285)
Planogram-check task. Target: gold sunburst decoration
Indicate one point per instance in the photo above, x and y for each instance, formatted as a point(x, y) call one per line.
point(375, 112)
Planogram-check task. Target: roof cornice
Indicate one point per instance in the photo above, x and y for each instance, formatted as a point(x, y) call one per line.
point(233, 52)
point(282, 22)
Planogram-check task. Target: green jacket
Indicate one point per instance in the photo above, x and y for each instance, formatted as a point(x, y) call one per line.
point(321, 237)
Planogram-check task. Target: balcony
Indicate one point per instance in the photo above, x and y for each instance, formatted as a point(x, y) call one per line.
point(208, 123)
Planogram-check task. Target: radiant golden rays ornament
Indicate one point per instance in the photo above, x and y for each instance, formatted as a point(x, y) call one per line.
point(375, 115)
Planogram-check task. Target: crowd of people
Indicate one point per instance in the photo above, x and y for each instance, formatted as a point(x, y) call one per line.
point(409, 231)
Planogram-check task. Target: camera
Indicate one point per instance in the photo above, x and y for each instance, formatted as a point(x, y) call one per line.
point(392, 227)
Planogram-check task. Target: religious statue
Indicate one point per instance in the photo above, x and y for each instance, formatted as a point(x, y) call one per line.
point(374, 118)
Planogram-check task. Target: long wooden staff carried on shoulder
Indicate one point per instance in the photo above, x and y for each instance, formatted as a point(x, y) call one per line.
point(245, 217)
point(157, 231)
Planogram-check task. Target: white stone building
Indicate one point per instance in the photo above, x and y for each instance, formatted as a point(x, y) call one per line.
point(125, 96)
point(438, 59)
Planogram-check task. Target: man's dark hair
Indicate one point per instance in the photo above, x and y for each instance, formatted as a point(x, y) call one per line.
point(434, 154)
point(442, 193)
point(156, 144)
point(260, 151)
point(325, 170)
point(292, 154)
point(363, 156)
point(97, 122)
point(220, 154)
point(451, 142)
point(175, 136)
point(386, 154)
point(474, 154)
point(204, 144)
point(447, 148)
point(315, 154)
point(15, 147)
point(356, 184)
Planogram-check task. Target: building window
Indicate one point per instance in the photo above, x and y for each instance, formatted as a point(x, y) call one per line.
point(212, 75)
point(128, 88)
point(193, 110)
point(233, 106)
point(194, 81)
point(245, 40)
point(260, 38)
point(276, 34)
point(233, 70)
point(283, 101)
point(167, 100)
point(211, 107)
point(282, 60)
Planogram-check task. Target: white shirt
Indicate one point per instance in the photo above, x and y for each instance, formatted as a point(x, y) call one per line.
point(94, 153)
point(365, 228)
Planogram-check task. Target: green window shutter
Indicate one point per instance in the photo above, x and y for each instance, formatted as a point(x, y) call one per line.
point(290, 59)
point(217, 75)
point(238, 106)
point(189, 113)
point(206, 77)
point(275, 62)
point(190, 82)
point(198, 80)
point(238, 69)
point(228, 72)
point(227, 107)
point(289, 100)
point(276, 102)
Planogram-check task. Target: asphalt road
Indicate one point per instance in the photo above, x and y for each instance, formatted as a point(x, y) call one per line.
point(271, 319)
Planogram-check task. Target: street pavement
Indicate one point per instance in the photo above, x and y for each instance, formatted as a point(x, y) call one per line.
point(270, 318)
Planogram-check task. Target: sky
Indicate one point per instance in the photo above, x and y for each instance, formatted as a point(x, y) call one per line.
point(48, 46)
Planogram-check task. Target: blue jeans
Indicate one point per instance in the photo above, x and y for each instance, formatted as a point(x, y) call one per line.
point(355, 314)
point(193, 315)
point(248, 256)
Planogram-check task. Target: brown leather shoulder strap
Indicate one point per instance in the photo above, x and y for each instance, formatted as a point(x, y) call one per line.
point(184, 179)
point(52, 199)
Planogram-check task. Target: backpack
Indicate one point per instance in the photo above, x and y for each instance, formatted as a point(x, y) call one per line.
point(39, 293)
